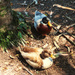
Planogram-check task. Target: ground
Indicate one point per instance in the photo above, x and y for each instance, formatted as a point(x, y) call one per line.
point(12, 63)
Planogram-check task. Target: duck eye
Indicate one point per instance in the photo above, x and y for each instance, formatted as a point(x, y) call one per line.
point(44, 20)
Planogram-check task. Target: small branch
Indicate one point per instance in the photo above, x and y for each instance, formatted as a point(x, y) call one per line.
point(29, 5)
point(61, 54)
point(69, 18)
point(22, 43)
point(59, 26)
point(68, 49)
point(27, 70)
point(70, 26)
point(65, 36)
point(71, 34)
point(63, 7)
point(52, 50)
point(57, 46)
point(55, 23)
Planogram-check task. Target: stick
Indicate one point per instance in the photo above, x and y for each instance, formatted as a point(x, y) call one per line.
point(68, 49)
point(52, 50)
point(27, 70)
point(70, 26)
point(63, 7)
point(29, 5)
point(67, 28)
point(57, 46)
point(71, 35)
point(65, 37)
point(62, 54)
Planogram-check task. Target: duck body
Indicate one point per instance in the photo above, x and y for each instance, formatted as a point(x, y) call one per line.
point(43, 29)
point(42, 23)
point(32, 57)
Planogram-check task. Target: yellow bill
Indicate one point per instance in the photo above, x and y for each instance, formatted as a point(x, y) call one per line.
point(49, 24)
point(52, 56)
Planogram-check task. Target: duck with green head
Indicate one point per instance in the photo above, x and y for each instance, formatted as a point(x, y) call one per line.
point(42, 23)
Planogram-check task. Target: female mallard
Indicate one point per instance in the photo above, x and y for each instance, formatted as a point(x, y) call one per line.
point(33, 58)
point(42, 23)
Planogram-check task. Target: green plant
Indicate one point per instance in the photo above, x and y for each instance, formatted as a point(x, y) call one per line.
point(12, 37)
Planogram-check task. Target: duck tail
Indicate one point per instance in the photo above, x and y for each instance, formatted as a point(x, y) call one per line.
point(37, 13)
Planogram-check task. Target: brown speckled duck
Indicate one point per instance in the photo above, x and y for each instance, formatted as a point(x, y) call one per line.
point(42, 23)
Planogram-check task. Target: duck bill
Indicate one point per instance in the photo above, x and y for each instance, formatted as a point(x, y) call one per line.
point(49, 24)
point(52, 56)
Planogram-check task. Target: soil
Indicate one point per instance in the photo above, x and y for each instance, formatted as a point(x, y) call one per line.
point(12, 63)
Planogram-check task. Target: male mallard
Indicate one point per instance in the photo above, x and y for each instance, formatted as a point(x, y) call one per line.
point(33, 58)
point(42, 23)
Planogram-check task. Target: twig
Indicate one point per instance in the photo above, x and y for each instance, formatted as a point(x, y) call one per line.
point(68, 49)
point(70, 26)
point(63, 7)
point(55, 23)
point(62, 54)
point(27, 70)
point(61, 25)
point(65, 37)
point(57, 26)
point(52, 50)
point(71, 62)
point(57, 46)
point(22, 43)
point(71, 34)
point(12, 44)
point(67, 28)
point(69, 18)
point(29, 5)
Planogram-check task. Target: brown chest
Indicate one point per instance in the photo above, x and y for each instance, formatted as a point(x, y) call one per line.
point(43, 29)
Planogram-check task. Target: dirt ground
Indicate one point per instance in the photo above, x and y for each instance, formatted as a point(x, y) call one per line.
point(12, 63)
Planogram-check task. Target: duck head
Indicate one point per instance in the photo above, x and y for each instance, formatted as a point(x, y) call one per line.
point(42, 23)
point(45, 20)
point(45, 26)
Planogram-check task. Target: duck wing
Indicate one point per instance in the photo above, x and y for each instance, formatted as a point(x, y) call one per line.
point(34, 64)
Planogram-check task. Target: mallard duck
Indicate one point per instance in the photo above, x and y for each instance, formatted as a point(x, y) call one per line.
point(33, 58)
point(42, 23)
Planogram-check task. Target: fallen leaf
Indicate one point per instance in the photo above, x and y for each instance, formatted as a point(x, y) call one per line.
point(17, 55)
point(4, 68)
